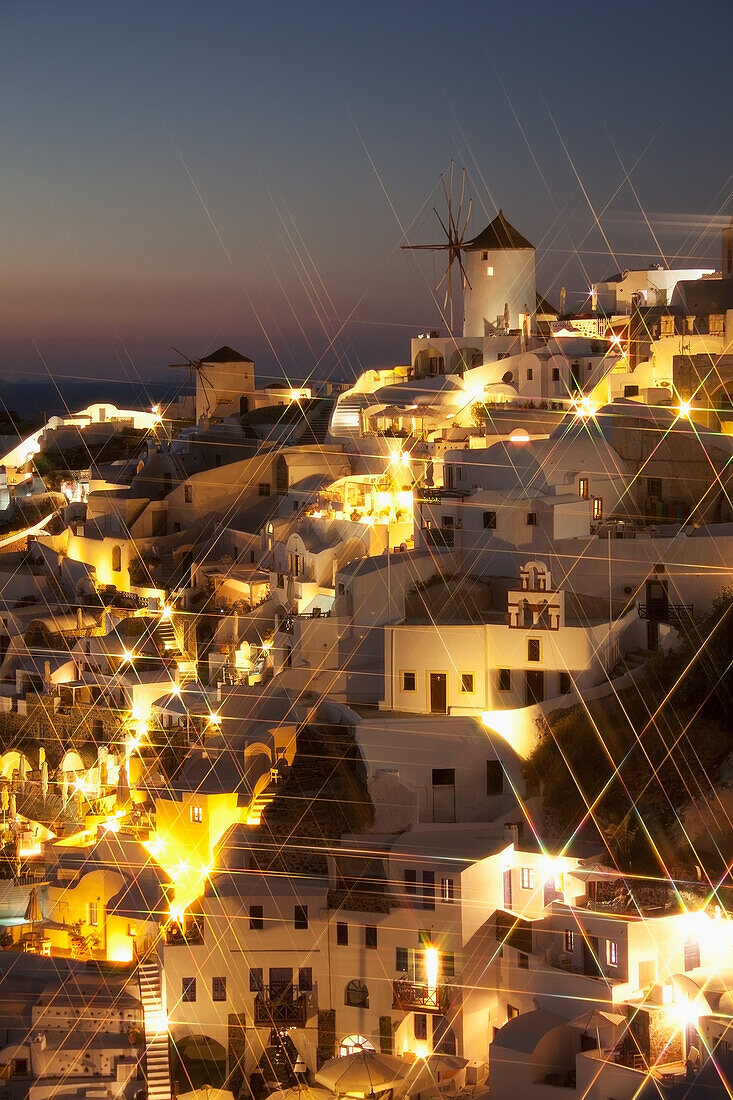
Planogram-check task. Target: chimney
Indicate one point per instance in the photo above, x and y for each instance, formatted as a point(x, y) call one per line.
point(515, 829)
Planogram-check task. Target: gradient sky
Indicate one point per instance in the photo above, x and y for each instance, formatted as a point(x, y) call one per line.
point(192, 174)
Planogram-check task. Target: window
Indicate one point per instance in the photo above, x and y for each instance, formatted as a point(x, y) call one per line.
point(420, 1025)
point(300, 916)
point(631, 391)
point(531, 519)
point(533, 649)
point(305, 979)
point(583, 488)
point(264, 488)
point(188, 989)
point(116, 559)
point(527, 878)
point(611, 952)
point(444, 777)
point(522, 960)
point(691, 954)
point(530, 374)
point(511, 1013)
point(342, 934)
point(357, 994)
point(654, 487)
point(555, 374)
point(370, 935)
point(401, 962)
point(197, 815)
point(188, 494)
point(217, 460)
point(569, 940)
point(598, 508)
point(428, 889)
point(494, 777)
point(256, 918)
point(92, 913)
point(489, 521)
point(410, 882)
point(566, 683)
point(489, 272)
point(484, 257)
point(467, 682)
point(256, 982)
point(447, 521)
point(448, 960)
point(447, 890)
point(409, 681)
point(218, 989)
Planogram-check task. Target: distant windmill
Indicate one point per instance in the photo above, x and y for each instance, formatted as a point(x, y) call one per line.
point(454, 227)
point(195, 368)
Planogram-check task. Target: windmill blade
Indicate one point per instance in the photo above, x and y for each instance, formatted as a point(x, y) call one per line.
point(460, 199)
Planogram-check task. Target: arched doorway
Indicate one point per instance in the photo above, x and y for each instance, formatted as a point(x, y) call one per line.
point(197, 1060)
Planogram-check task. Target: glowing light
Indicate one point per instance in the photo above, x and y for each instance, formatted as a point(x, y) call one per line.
point(166, 612)
point(585, 408)
point(432, 963)
point(128, 655)
point(112, 825)
point(687, 1012)
point(685, 410)
point(214, 719)
point(175, 689)
point(405, 458)
point(421, 1050)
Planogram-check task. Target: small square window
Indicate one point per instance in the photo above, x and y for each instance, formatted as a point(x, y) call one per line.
point(197, 815)
point(569, 940)
point(534, 651)
point(489, 521)
point(409, 681)
point(370, 935)
point(467, 683)
point(188, 989)
point(531, 519)
point(264, 488)
point(447, 890)
point(256, 981)
point(527, 878)
point(342, 934)
point(504, 676)
point(300, 916)
point(611, 952)
point(218, 989)
point(256, 918)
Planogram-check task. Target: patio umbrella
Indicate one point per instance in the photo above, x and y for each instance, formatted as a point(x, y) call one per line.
point(304, 1092)
point(33, 910)
point(206, 1092)
point(365, 1072)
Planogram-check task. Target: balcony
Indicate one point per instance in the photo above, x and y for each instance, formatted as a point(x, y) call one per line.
point(673, 613)
point(418, 997)
point(281, 1008)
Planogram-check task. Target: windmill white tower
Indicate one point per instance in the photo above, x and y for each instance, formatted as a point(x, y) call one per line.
point(499, 290)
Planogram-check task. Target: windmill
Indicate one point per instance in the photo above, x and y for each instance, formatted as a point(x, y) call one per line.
point(204, 385)
point(454, 228)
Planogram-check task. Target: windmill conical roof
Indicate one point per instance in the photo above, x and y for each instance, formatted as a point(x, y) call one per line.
point(499, 234)
point(226, 355)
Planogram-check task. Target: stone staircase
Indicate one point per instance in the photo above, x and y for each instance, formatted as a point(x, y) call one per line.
point(152, 996)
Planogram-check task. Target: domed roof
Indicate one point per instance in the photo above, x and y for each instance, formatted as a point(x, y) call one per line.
point(499, 234)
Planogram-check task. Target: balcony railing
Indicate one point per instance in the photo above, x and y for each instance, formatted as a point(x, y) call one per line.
point(281, 1008)
point(672, 613)
point(409, 996)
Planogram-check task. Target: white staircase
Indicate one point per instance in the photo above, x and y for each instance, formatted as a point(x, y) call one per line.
point(152, 996)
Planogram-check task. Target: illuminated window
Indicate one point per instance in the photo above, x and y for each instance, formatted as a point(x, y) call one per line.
point(188, 989)
point(218, 989)
point(409, 681)
point(611, 952)
point(504, 676)
point(447, 889)
point(489, 271)
point(527, 878)
point(597, 507)
point(691, 954)
point(116, 559)
point(197, 815)
point(420, 1025)
point(534, 649)
point(467, 683)
point(511, 1013)
point(92, 913)
point(584, 488)
point(569, 940)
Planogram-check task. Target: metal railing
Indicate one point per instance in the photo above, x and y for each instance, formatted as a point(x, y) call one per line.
point(280, 1008)
point(407, 995)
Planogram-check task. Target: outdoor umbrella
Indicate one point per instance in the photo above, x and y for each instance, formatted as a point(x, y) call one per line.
point(302, 1092)
point(33, 910)
point(365, 1072)
point(206, 1092)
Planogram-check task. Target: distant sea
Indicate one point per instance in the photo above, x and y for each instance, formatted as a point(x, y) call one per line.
point(36, 398)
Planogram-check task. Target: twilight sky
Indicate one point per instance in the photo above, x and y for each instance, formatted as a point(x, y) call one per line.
point(198, 173)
